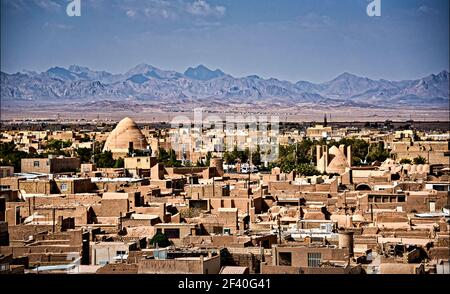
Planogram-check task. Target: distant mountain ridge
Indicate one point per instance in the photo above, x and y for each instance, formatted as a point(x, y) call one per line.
point(202, 85)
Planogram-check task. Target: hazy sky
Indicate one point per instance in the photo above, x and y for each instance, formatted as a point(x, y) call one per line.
point(294, 40)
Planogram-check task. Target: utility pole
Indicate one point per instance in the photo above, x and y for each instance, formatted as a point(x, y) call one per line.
point(345, 201)
point(296, 149)
point(214, 194)
point(120, 222)
point(140, 141)
point(249, 173)
point(371, 212)
point(299, 215)
point(53, 217)
point(93, 150)
point(191, 180)
point(279, 229)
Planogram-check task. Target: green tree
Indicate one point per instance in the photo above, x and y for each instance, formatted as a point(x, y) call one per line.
point(85, 138)
point(85, 154)
point(256, 157)
point(208, 158)
point(104, 160)
point(172, 161)
point(54, 145)
point(239, 154)
point(168, 158)
point(405, 161)
point(163, 156)
point(12, 157)
point(377, 153)
point(303, 151)
point(419, 160)
point(229, 157)
point(305, 169)
point(119, 163)
point(160, 239)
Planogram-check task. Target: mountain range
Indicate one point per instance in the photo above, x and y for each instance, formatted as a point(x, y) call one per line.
point(200, 85)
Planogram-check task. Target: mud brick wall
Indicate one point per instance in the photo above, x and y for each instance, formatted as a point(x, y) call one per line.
point(114, 207)
point(249, 260)
point(12, 182)
point(118, 268)
point(23, 232)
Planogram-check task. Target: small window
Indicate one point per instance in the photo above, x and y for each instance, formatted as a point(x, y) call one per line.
point(138, 160)
point(36, 163)
point(285, 258)
point(217, 230)
point(172, 233)
point(226, 231)
point(432, 206)
point(121, 252)
point(4, 267)
point(314, 259)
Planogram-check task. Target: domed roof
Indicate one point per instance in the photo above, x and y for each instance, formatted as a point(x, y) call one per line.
point(338, 161)
point(126, 134)
point(334, 150)
point(338, 164)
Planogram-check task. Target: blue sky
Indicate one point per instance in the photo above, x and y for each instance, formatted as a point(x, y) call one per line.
point(293, 40)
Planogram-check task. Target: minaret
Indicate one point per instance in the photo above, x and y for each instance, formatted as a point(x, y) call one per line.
point(325, 123)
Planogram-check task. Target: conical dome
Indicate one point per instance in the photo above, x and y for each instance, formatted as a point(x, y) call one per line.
point(124, 137)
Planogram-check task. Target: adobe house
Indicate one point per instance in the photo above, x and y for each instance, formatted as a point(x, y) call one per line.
point(87, 168)
point(225, 222)
point(140, 220)
point(181, 265)
point(6, 171)
point(139, 166)
point(4, 234)
point(309, 259)
point(425, 201)
point(73, 185)
point(177, 231)
point(110, 252)
point(41, 246)
point(114, 204)
point(158, 209)
point(117, 268)
point(304, 256)
point(50, 165)
point(402, 268)
point(116, 184)
point(433, 152)
point(37, 186)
